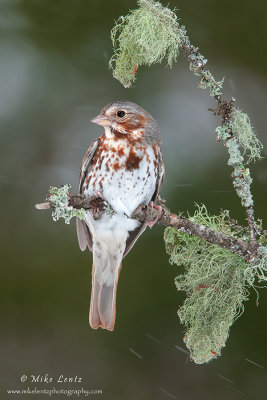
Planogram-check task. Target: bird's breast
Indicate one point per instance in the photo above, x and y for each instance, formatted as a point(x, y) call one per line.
point(124, 174)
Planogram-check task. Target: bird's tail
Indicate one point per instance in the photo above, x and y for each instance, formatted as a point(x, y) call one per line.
point(105, 274)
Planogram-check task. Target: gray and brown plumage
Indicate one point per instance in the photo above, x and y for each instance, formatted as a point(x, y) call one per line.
point(125, 167)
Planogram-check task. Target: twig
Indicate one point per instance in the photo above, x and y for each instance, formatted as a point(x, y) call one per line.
point(251, 223)
point(232, 221)
point(224, 110)
point(249, 251)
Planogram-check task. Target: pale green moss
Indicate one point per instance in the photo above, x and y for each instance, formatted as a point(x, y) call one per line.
point(215, 281)
point(59, 198)
point(207, 80)
point(259, 267)
point(241, 176)
point(242, 128)
point(223, 132)
point(144, 37)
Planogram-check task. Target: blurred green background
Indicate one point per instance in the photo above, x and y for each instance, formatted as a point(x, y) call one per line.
point(54, 78)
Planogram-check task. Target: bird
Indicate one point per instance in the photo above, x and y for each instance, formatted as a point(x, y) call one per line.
point(125, 168)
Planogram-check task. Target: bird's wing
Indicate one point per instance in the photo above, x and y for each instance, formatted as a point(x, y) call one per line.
point(86, 162)
point(160, 177)
point(83, 233)
point(134, 235)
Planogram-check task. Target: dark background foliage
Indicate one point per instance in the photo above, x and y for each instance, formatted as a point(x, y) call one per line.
point(54, 78)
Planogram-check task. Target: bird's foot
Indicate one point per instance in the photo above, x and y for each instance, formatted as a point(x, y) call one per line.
point(150, 224)
point(107, 207)
point(99, 194)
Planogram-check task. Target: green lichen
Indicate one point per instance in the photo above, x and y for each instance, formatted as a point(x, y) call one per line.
point(216, 282)
point(59, 198)
point(223, 132)
point(243, 147)
point(208, 81)
point(215, 87)
point(259, 267)
point(235, 156)
point(242, 128)
point(241, 175)
point(148, 35)
point(144, 37)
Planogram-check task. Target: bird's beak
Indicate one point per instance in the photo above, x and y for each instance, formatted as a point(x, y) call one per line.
point(101, 120)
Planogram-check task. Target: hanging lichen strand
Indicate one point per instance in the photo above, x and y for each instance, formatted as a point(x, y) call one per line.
point(146, 36)
point(215, 279)
point(242, 128)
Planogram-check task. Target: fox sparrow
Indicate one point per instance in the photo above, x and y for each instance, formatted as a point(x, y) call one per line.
point(124, 167)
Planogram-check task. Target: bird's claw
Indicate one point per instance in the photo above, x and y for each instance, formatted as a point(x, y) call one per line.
point(150, 224)
point(107, 207)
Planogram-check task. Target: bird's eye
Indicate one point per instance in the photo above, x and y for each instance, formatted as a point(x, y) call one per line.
point(120, 113)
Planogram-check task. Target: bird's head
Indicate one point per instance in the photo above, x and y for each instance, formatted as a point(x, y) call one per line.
point(129, 119)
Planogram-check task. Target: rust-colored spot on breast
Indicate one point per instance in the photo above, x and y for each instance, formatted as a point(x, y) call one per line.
point(120, 152)
point(133, 160)
point(100, 182)
point(107, 165)
point(116, 166)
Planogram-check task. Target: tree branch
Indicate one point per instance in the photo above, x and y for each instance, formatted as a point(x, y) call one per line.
point(249, 251)
point(241, 176)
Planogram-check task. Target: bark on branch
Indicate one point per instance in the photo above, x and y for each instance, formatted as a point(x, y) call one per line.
point(249, 251)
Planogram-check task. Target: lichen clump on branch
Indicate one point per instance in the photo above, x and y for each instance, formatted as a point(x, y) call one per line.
point(242, 128)
point(243, 147)
point(215, 281)
point(144, 37)
point(59, 198)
